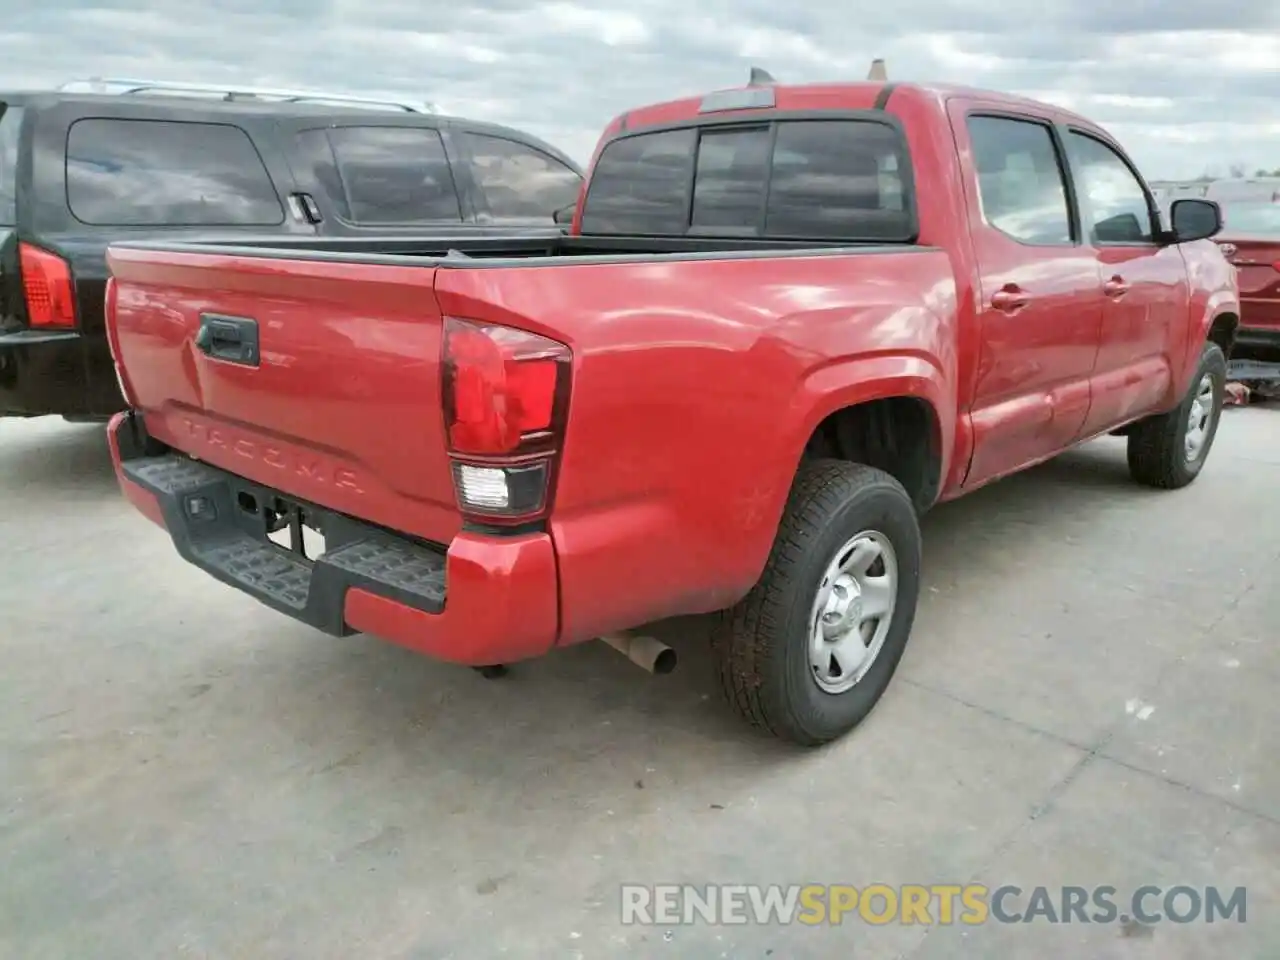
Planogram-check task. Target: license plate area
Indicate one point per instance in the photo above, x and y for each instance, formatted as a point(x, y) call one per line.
point(293, 527)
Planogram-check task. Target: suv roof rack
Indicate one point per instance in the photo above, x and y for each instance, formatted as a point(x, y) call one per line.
point(232, 93)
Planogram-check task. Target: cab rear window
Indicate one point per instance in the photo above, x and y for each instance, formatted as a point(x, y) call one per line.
point(819, 179)
point(10, 123)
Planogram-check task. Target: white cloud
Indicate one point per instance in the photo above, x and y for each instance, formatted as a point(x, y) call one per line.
point(1186, 86)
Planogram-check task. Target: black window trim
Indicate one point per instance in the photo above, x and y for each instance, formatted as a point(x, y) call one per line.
point(210, 122)
point(348, 123)
point(1075, 222)
point(773, 118)
point(1153, 217)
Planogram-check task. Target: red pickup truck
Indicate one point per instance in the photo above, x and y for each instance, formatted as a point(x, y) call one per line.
point(784, 322)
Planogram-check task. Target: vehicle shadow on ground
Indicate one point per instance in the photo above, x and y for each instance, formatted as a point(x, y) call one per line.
point(47, 458)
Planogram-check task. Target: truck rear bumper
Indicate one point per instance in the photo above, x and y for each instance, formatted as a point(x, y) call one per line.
point(482, 600)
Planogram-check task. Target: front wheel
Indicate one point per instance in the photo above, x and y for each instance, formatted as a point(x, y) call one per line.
point(810, 650)
point(1169, 451)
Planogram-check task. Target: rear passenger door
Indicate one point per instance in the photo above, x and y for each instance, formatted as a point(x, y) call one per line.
point(371, 180)
point(516, 183)
point(1040, 292)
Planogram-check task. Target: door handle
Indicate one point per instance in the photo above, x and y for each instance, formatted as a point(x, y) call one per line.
point(307, 208)
point(1010, 300)
point(233, 339)
point(1115, 287)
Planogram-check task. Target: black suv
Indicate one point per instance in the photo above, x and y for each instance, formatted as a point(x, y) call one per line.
point(78, 171)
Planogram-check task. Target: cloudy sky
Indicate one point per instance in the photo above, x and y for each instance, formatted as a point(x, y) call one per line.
point(1187, 85)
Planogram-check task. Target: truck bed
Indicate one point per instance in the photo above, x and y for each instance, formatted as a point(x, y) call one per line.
point(531, 245)
point(685, 357)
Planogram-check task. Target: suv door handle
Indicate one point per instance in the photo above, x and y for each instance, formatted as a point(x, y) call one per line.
point(1115, 287)
point(306, 208)
point(1010, 299)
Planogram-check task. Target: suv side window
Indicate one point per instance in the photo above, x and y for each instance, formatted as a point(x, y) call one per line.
point(167, 173)
point(520, 182)
point(1020, 180)
point(377, 176)
point(1115, 199)
point(10, 125)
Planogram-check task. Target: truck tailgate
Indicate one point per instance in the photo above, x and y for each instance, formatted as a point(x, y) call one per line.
point(318, 379)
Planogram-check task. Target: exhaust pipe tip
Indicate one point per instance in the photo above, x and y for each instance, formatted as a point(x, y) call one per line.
point(665, 661)
point(648, 653)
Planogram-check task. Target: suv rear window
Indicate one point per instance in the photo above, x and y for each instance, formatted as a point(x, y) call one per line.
point(790, 179)
point(167, 173)
point(10, 122)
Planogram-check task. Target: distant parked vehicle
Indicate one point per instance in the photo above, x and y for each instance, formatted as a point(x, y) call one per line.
point(128, 160)
point(1250, 240)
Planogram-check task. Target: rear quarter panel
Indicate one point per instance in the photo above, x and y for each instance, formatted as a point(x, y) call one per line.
point(697, 383)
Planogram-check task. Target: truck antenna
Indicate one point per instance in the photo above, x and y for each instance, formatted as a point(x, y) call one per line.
point(760, 77)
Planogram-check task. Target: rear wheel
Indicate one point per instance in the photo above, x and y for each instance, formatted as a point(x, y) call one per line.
point(809, 651)
point(1169, 451)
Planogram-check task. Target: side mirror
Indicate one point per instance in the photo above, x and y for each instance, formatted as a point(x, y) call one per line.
point(565, 213)
point(1194, 219)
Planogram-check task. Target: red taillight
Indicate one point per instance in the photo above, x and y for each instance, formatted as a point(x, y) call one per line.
point(505, 394)
point(500, 387)
point(46, 283)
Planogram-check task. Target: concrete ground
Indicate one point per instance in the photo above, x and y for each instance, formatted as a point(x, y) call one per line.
point(1091, 697)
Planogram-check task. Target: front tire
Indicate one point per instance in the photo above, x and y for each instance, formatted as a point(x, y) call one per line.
point(810, 650)
point(1169, 451)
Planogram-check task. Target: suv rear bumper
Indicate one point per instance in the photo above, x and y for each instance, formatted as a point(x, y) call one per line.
point(1253, 340)
point(483, 600)
point(47, 372)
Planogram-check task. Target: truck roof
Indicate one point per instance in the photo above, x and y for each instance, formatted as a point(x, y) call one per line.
point(859, 94)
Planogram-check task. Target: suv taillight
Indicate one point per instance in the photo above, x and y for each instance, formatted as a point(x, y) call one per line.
point(47, 286)
point(505, 394)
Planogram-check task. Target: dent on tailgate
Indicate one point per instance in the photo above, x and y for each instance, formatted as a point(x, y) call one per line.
point(343, 407)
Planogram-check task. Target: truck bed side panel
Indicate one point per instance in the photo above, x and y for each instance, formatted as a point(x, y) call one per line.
point(696, 384)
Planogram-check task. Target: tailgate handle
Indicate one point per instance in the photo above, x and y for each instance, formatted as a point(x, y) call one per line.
point(233, 339)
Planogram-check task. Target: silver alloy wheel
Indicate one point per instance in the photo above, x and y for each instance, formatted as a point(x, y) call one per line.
point(1200, 420)
point(852, 611)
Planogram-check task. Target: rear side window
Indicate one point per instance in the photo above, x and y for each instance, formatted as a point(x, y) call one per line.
point(792, 179)
point(377, 176)
point(10, 123)
point(518, 181)
point(167, 173)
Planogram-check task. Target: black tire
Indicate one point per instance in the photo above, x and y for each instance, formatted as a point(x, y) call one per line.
point(1157, 445)
point(761, 646)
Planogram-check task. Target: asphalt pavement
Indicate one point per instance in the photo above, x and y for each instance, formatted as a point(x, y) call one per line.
point(1091, 698)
